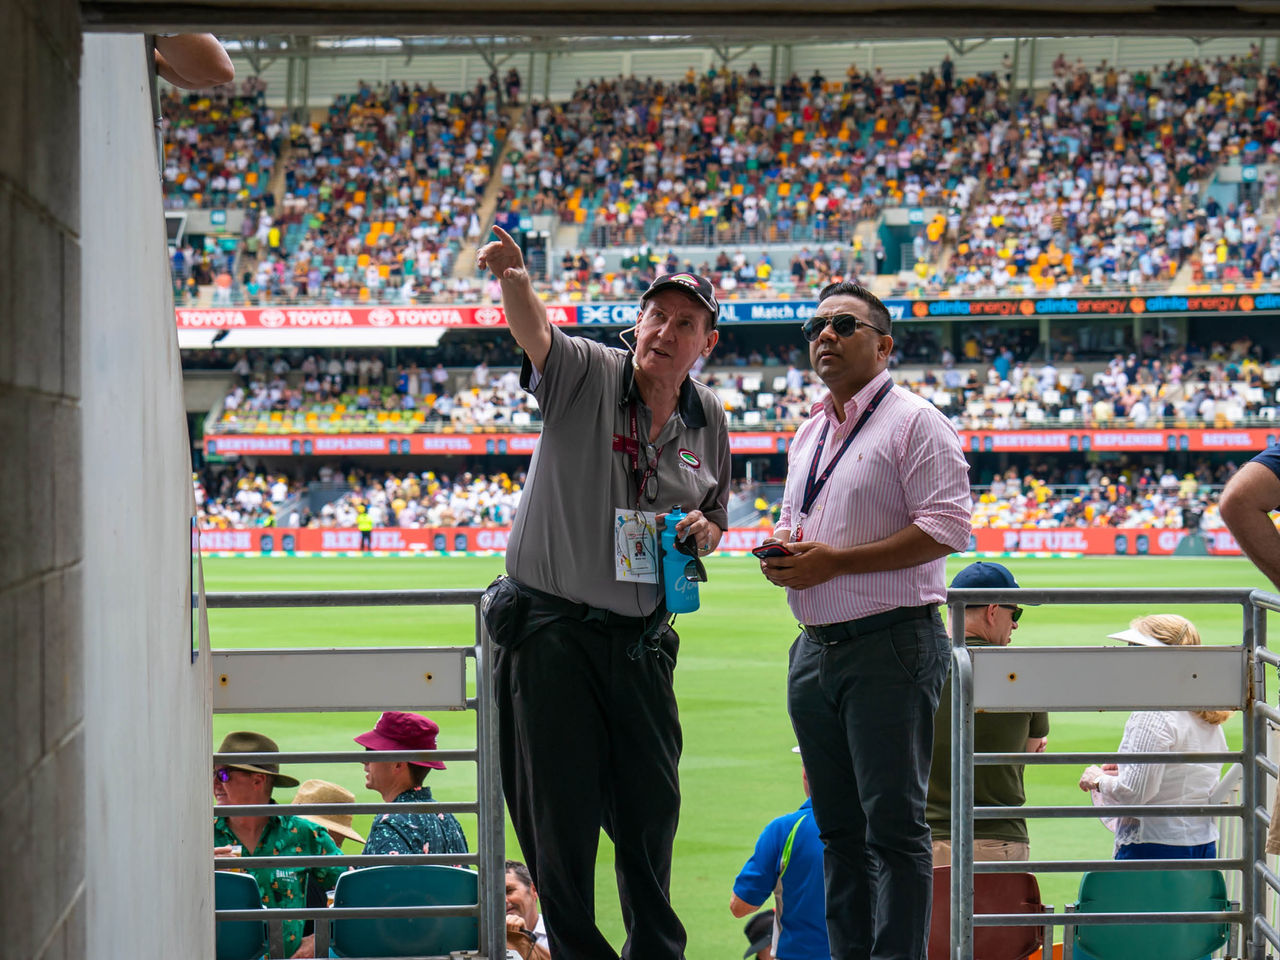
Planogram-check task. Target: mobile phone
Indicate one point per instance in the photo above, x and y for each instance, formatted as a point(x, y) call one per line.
point(768, 551)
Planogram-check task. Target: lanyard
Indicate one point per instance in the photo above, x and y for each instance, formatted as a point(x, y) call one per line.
point(631, 445)
point(813, 483)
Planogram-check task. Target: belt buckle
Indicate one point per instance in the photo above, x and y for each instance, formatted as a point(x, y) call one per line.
point(811, 633)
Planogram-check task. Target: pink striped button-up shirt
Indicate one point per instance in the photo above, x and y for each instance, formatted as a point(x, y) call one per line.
point(905, 467)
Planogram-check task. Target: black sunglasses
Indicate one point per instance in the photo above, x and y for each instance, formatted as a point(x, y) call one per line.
point(694, 571)
point(222, 774)
point(1015, 613)
point(844, 324)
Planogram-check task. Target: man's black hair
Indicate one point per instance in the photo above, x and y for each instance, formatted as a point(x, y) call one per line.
point(851, 288)
point(521, 872)
point(417, 774)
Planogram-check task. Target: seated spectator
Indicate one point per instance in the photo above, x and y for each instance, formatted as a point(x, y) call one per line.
point(282, 835)
point(787, 864)
point(401, 781)
point(338, 825)
point(1148, 731)
point(526, 932)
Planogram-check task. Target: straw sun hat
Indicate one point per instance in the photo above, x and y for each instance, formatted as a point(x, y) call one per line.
point(322, 791)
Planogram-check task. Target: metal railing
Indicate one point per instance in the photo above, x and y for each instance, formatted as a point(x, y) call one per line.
point(321, 680)
point(1170, 678)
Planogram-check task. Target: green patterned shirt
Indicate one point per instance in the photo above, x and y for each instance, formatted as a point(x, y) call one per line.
point(286, 837)
point(415, 832)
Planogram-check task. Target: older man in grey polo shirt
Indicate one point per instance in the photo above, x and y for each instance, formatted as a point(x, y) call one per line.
point(589, 729)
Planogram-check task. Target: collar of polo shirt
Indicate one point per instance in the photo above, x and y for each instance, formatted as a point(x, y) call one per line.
point(690, 405)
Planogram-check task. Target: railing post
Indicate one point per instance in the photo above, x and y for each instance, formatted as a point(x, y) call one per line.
point(492, 836)
point(1253, 839)
point(961, 790)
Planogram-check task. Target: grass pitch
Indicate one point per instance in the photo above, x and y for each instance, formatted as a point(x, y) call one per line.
point(737, 771)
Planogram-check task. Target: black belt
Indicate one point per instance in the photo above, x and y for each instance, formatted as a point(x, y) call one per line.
point(572, 610)
point(832, 633)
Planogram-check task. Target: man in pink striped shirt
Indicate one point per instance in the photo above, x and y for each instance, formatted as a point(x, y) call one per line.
point(877, 495)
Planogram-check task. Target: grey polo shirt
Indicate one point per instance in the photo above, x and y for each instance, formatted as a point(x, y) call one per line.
point(562, 539)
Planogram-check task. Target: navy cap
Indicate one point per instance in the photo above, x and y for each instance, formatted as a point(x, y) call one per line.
point(982, 575)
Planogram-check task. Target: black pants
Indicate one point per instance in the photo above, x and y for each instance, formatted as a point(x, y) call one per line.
point(863, 715)
point(591, 738)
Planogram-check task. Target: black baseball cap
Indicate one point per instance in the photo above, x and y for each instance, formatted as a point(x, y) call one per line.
point(700, 288)
point(759, 931)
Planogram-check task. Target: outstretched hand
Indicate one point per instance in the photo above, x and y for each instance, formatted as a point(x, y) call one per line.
point(502, 257)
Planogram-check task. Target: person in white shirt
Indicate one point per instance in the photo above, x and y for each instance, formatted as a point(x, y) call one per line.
point(1153, 731)
point(526, 932)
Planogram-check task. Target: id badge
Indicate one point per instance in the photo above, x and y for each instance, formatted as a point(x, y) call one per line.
point(635, 546)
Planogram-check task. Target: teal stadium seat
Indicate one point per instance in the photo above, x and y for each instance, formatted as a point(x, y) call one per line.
point(238, 939)
point(403, 887)
point(1179, 891)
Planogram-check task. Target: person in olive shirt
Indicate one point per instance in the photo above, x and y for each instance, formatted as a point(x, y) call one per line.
point(279, 836)
point(993, 786)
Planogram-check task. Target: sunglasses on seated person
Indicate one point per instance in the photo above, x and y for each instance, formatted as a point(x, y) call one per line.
point(844, 324)
point(1015, 613)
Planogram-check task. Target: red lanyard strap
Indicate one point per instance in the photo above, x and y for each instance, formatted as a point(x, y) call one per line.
point(813, 483)
point(641, 477)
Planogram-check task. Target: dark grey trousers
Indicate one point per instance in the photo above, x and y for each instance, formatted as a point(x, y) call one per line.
point(863, 715)
point(590, 738)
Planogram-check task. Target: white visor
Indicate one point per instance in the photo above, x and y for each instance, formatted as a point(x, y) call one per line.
point(1136, 637)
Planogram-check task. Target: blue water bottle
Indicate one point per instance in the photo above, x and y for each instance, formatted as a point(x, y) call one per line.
point(681, 592)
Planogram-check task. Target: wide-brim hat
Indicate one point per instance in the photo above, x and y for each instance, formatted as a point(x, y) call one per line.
point(1137, 638)
point(403, 731)
point(245, 741)
point(322, 791)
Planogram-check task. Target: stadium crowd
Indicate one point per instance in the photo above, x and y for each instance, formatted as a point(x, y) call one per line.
point(1047, 494)
point(220, 146)
point(1082, 495)
point(1100, 181)
point(243, 498)
point(761, 384)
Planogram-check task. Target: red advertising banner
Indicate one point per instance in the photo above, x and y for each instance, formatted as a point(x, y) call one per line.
point(382, 318)
point(355, 444)
point(422, 540)
point(1096, 541)
point(1245, 440)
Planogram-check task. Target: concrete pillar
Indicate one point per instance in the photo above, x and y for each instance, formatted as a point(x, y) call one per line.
point(147, 733)
point(42, 730)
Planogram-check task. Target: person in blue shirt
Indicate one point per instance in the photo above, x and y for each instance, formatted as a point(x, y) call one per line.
point(1245, 506)
point(787, 863)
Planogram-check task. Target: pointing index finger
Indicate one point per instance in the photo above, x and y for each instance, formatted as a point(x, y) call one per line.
point(503, 236)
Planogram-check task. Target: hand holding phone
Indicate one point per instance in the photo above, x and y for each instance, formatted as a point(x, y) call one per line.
point(768, 551)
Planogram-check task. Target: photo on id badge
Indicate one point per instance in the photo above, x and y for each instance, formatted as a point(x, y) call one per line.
point(635, 546)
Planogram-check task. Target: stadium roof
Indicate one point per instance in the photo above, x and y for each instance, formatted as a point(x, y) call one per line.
point(568, 21)
point(278, 46)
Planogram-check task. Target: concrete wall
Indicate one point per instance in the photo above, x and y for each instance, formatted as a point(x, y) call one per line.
point(147, 757)
point(42, 728)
